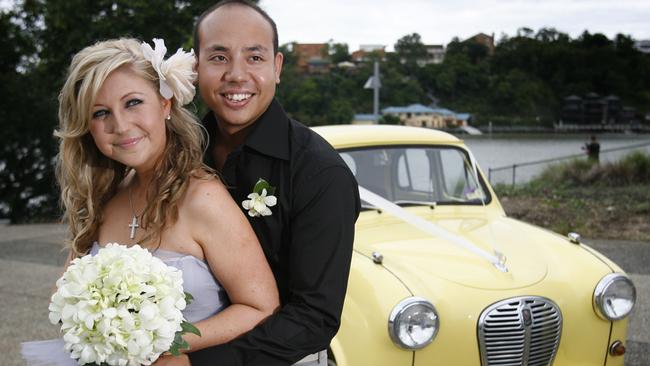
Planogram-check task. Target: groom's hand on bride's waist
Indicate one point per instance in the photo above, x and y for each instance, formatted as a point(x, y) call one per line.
point(171, 360)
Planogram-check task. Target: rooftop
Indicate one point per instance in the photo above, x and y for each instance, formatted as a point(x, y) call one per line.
point(413, 108)
point(348, 136)
point(364, 117)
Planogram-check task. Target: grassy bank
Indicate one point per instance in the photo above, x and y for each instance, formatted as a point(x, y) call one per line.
point(609, 201)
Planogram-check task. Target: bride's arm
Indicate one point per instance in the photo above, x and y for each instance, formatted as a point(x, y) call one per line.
point(236, 259)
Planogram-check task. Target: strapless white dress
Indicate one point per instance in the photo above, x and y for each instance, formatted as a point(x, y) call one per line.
point(198, 280)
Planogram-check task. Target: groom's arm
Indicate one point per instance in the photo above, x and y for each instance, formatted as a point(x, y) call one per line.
point(326, 207)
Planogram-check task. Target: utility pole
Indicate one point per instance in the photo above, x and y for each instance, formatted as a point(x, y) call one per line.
point(376, 85)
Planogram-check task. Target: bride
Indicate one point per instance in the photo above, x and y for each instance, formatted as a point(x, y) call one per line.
point(130, 171)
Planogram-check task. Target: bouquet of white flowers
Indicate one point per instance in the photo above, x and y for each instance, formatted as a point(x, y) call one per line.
point(120, 307)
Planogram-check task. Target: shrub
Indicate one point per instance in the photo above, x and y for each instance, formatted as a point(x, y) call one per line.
point(634, 168)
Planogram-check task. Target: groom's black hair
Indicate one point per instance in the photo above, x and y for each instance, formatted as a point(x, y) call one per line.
point(237, 2)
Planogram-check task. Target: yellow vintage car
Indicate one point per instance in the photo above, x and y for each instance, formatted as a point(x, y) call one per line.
point(441, 276)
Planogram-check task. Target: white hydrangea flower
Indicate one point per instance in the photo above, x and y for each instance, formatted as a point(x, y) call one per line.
point(258, 204)
point(119, 307)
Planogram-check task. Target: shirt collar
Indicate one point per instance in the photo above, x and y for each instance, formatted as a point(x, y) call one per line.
point(269, 134)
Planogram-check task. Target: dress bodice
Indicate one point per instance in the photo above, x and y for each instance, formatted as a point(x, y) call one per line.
point(209, 296)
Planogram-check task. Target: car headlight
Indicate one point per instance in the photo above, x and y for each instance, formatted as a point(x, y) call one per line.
point(413, 323)
point(614, 297)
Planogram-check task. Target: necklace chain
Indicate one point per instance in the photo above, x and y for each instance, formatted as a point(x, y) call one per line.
point(133, 226)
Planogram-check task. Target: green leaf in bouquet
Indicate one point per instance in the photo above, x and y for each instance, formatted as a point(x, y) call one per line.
point(178, 337)
point(188, 298)
point(178, 344)
point(190, 328)
point(174, 350)
point(263, 184)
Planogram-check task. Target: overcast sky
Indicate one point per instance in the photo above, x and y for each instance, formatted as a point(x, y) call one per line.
point(358, 22)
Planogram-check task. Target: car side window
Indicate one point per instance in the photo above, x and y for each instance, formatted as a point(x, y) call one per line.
point(414, 170)
point(459, 181)
point(372, 170)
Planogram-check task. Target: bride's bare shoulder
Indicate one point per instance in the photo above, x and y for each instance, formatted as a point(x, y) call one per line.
point(210, 208)
point(206, 192)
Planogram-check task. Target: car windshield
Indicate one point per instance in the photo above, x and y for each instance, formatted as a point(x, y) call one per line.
point(417, 175)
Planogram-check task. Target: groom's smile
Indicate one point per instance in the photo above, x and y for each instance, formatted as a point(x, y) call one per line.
point(239, 97)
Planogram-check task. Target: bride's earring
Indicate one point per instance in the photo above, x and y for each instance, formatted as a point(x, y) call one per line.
point(169, 117)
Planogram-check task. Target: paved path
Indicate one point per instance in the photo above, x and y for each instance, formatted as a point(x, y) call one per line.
point(31, 258)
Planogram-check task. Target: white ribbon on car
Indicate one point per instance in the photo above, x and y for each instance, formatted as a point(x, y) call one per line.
point(474, 165)
point(498, 260)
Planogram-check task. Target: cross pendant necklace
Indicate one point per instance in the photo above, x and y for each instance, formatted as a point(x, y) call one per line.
point(133, 226)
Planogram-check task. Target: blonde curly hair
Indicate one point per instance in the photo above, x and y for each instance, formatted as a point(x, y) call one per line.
point(87, 178)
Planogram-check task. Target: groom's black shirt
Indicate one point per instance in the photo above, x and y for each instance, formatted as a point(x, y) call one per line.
point(307, 239)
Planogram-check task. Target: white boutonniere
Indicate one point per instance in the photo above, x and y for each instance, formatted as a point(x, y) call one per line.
point(260, 199)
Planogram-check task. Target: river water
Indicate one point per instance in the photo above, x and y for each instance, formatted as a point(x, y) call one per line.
point(502, 150)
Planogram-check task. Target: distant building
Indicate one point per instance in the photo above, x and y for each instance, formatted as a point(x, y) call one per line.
point(463, 118)
point(318, 66)
point(312, 58)
point(643, 45)
point(364, 51)
point(592, 109)
point(613, 110)
point(436, 53)
point(485, 40)
point(572, 110)
point(629, 115)
point(422, 116)
point(346, 65)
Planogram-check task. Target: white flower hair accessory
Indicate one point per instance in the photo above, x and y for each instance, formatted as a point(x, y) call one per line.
point(260, 199)
point(176, 74)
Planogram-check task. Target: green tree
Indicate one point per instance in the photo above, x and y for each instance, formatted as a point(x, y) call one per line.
point(410, 47)
point(398, 88)
point(410, 50)
point(389, 119)
point(338, 52)
point(476, 52)
point(26, 174)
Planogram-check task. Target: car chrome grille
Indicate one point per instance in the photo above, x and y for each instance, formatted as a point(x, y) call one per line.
point(520, 331)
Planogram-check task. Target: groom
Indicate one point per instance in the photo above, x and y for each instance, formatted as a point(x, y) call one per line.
point(307, 234)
